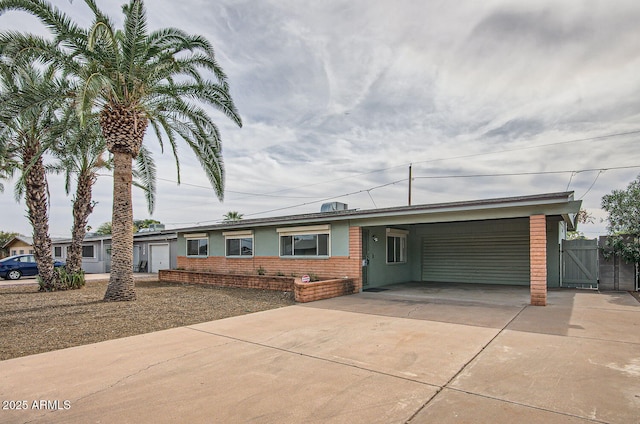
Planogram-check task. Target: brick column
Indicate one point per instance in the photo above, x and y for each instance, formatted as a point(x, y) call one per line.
point(538, 259)
point(355, 256)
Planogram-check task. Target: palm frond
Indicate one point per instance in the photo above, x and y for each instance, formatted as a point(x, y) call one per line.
point(145, 177)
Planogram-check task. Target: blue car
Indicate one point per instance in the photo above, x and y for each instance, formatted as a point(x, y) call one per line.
point(14, 267)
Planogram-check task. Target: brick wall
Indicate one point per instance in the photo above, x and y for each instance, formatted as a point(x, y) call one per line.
point(262, 282)
point(334, 267)
point(538, 259)
point(303, 292)
point(309, 292)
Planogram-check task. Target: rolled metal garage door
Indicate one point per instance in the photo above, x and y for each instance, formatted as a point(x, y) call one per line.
point(487, 252)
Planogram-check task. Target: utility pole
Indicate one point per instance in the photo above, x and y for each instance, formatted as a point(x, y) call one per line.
point(410, 178)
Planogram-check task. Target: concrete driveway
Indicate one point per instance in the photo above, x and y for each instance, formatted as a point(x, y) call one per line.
point(443, 355)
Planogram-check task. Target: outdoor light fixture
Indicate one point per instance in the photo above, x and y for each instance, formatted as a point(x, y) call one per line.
point(375, 238)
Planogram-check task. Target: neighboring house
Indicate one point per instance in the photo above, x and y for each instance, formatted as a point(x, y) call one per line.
point(512, 240)
point(152, 251)
point(19, 245)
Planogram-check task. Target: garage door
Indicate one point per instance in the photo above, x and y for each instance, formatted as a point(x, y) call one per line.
point(159, 257)
point(487, 252)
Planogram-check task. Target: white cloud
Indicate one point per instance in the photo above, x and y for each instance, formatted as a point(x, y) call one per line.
point(330, 91)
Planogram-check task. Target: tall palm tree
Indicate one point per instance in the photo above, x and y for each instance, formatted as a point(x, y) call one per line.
point(135, 78)
point(80, 152)
point(23, 139)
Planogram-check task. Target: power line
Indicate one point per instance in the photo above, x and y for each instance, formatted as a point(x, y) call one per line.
point(368, 190)
point(601, 137)
point(273, 193)
point(516, 174)
point(592, 184)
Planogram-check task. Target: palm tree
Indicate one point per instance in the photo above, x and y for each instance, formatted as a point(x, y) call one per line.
point(23, 138)
point(232, 216)
point(135, 78)
point(81, 153)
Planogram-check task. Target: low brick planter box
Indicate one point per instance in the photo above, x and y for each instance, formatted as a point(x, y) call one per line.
point(304, 292)
point(263, 282)
point(309, 292)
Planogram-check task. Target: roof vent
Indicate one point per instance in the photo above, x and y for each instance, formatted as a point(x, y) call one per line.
point(333, 206)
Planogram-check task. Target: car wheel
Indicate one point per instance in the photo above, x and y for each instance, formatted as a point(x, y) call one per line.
point(14, 274)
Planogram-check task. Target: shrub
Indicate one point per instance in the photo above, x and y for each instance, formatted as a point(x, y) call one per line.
point(64, 280)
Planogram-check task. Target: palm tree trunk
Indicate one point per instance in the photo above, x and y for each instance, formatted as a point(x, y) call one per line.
point(82, 208)
point(36, 199)
point(121, 285)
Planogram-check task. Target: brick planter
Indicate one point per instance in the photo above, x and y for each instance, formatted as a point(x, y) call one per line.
point(309, 292)
point(263, 282)
point(304, 292)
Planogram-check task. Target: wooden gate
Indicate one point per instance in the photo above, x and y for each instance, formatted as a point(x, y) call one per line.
point(580, 263)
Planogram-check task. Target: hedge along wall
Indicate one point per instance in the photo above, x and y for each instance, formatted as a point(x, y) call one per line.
point(334, 267)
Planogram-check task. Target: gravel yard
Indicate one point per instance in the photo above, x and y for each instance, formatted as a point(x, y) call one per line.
point(33, 322)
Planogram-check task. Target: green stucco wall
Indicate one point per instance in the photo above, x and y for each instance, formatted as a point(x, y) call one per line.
point(266, 241)
point(381, 273)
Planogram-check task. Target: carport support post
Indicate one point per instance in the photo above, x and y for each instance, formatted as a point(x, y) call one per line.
point(538, 259)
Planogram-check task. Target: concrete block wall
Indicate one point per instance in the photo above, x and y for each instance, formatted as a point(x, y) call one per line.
point(538, 259)
point(614, 273)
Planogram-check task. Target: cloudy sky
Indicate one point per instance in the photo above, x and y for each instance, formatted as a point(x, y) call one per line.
point(485, 99)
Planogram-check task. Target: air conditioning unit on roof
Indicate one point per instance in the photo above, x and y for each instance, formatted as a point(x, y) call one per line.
point(333, 206)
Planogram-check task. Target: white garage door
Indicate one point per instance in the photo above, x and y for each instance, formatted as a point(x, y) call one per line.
point(159, 257)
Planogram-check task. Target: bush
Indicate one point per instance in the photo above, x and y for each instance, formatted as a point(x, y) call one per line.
point(65, 280)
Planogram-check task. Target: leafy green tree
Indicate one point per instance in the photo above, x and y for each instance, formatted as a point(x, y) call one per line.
point(232, 216)
point(139, 224)
point(5, 237)
point(135, 78)
point(623, 207)
point(583, 217)
point(104, 229)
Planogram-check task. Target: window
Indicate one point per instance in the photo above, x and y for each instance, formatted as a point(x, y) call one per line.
point(88, 251)
point(57, 251)
point(304, 241)
point(14, 252)
point(396, 246)
point(22, 251)
point(31, 251)
point(238, 243)
point(197, 245)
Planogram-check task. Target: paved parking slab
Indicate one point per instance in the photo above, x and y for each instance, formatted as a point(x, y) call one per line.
point(588, 378)
point(452, 406)
point(424, 351)
point(466, 312)
point(187, 375)
point(355, 359)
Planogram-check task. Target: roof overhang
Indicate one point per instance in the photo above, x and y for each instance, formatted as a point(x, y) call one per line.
point(550, 204)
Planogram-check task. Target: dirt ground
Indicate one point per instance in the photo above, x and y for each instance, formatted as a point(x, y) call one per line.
point(33, 322)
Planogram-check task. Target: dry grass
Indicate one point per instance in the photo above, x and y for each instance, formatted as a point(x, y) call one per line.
point(33, 322)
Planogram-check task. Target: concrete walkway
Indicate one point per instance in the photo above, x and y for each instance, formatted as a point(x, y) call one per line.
point(369, 358)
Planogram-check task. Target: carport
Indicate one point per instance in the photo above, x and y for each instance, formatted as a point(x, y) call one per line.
point(507, 241)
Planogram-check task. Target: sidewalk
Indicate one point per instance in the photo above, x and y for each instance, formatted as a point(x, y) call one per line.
point(364, 358)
